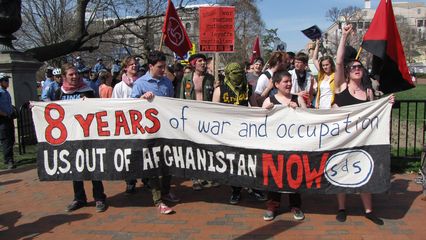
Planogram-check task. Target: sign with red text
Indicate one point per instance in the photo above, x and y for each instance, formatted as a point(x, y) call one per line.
point(282, 149)
point(216, 29)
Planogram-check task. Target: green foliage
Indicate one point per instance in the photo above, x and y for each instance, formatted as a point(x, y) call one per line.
point(268, 40)
point(405, 165)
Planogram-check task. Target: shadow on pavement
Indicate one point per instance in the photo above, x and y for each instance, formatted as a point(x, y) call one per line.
point(33, 229)
point(268, 231)
point(18, 169)
point(397, 202)
point(140, 198)
point(393, 204)
point(10, 182)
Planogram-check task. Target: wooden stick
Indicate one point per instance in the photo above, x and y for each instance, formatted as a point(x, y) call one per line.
point(161, 42)
point(359, 52)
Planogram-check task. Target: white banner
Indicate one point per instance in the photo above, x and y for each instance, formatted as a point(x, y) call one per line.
point(281, 128)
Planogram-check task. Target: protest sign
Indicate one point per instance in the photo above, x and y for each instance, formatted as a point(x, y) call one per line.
point(216, 29)
point(283, 149)
point(312, 33)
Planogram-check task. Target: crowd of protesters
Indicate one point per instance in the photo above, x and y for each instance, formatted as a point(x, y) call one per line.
point(287, 81)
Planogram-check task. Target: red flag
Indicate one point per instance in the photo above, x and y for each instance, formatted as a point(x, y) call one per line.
point(383, 41)
point(175, 36)
point(256, 50)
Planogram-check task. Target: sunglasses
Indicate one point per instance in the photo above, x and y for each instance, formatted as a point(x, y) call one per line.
point(356, 67)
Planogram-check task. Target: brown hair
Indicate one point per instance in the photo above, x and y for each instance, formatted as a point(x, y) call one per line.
point(67, 66)
point(278, 76)
point(104, 75)
point(303, 57)
point(276, 58)
point(330, 59)
point(126, 62)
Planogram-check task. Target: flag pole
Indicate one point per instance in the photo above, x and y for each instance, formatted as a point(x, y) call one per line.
point(161, 42)
point(359, 52)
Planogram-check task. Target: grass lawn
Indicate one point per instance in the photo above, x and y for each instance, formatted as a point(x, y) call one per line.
point(29, 157)
point(408, 111)
point(417, 93)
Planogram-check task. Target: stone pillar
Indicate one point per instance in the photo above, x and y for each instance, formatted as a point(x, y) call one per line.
point(22, 68)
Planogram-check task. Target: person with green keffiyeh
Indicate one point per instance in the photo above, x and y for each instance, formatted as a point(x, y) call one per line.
point(236, 90)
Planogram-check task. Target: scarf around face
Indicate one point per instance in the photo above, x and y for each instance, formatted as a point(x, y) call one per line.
point(235, 78)
point(68, 88)
point(128, 80)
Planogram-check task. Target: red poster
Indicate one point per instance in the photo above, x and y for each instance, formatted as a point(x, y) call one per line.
point(217, 29)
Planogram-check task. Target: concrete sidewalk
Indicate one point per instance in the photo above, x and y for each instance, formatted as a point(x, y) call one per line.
point(30, 209)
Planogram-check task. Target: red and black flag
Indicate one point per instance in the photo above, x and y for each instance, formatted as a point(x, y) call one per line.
point(174, 33)
point(256, 50)
point(383, 41)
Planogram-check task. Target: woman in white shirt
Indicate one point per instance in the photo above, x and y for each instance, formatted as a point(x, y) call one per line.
point(326, 68)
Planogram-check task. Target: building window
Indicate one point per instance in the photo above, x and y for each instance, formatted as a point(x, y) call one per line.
point(419, 23)
point(366, 25)
point(419, 11)
point(188, 27)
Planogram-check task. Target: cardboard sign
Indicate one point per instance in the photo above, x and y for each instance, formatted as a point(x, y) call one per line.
point(217, 29)
point(313, 32)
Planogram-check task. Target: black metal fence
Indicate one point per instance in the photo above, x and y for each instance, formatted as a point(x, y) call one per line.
point(26, 130)
point(408, 128)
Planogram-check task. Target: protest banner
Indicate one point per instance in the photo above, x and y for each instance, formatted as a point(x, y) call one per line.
point(282, 149)
point(216, 29)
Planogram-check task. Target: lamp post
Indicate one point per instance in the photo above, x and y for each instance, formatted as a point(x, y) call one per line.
point(10, 18)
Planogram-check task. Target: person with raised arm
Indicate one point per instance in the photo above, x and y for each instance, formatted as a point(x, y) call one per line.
point(352, 88)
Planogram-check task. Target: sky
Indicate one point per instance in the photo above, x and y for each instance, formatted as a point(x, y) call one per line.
point(292, 16)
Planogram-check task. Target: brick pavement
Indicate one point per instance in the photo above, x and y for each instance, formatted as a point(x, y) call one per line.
point(30, 209)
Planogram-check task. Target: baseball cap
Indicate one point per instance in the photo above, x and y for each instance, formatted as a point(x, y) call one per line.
point(4, 77)
point(197, 55)
point(56, 71)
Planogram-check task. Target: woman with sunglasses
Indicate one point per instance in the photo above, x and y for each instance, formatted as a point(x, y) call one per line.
point(351, 89)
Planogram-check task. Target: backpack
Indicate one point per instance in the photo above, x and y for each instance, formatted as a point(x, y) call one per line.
point(256, 99)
